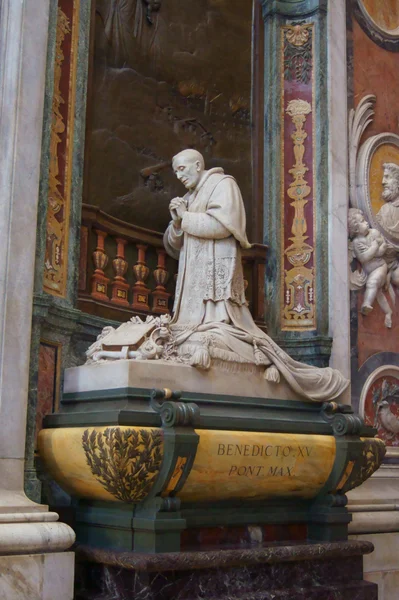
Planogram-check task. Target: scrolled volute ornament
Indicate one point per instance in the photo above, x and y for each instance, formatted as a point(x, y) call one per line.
point(172, 412)
point(342, 419)
point(346, 424)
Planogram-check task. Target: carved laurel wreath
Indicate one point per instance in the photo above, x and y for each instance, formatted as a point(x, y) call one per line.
point(369, 461)
point(125, 462)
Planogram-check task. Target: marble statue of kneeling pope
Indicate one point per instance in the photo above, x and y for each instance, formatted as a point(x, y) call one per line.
point(211, 323)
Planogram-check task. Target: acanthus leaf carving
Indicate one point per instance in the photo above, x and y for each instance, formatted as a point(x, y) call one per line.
point(359, 120)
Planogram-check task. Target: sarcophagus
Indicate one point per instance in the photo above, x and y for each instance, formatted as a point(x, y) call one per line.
point(147, 464)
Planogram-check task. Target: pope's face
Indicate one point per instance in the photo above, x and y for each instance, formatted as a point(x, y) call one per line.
point(187, 171)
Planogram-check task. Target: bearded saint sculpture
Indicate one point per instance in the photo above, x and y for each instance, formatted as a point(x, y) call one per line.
point(388, 220)
point(211, 321)
point(388, 215)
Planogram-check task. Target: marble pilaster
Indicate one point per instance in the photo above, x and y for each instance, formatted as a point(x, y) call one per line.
point(56, 319)
point(25, 527)
point(307, 339)
point(338, 190)
point(328, 341)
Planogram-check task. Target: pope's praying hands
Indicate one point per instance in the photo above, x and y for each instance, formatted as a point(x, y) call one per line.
point(177, 208)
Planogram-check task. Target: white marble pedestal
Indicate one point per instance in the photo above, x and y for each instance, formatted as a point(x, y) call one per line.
point(149, 374)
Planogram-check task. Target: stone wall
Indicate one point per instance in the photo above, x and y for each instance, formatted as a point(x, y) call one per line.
point(373, 70)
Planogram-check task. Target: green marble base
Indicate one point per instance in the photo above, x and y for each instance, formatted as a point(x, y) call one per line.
point(206, 462)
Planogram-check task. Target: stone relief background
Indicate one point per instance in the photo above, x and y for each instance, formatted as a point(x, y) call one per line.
point(374, 69)
point(182, 81)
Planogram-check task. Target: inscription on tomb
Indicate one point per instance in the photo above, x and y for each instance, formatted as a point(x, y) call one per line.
point(267, 459)
point(248, 464)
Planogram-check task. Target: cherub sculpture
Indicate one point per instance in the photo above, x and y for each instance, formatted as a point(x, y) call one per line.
point(369, 248)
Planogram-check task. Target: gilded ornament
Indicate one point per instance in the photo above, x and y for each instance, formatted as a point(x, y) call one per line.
point(56, 255)
point(298, 107)
point(299, 281)
point(297, 35)
point(55, 234)
point(370, 460)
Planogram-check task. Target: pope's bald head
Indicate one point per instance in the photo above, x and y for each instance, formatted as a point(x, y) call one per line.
point(190, 155)
point(188, 166)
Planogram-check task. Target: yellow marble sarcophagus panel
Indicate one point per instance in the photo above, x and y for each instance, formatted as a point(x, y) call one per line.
point(121, 463)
